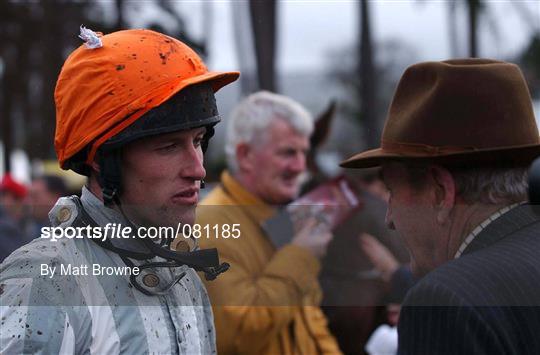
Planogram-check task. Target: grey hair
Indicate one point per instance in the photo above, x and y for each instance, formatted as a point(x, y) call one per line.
point(492, 185)
point(487, 185)
point(253, 115)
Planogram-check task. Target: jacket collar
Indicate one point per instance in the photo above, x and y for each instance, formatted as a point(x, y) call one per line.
point(98, 211)
point(253, 205)
point(515, 219)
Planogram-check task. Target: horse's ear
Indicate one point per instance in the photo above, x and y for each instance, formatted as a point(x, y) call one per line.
point(322, 125)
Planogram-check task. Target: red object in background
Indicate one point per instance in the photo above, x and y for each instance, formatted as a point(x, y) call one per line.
point(9, 185)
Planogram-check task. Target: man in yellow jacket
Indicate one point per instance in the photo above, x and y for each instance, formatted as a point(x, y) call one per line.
point(268, 301)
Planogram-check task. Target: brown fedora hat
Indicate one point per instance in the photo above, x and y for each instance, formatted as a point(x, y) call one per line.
point(462, 111)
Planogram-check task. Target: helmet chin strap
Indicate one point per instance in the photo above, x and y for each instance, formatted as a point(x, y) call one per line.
point(110, 176)
point(206, 260)
point(110, 180)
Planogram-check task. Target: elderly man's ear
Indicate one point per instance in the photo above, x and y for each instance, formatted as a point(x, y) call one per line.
point(444, 192)
point(244, 157)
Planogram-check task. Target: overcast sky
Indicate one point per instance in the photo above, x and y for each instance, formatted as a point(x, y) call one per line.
point(309, 29)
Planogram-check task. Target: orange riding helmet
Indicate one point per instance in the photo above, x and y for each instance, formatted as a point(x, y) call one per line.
point(108, 84)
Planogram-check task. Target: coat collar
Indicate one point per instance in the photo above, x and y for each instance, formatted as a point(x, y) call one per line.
point(253, 205)
point(515, 219)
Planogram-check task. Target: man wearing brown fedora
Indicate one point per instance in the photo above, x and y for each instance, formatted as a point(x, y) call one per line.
point(454, 152)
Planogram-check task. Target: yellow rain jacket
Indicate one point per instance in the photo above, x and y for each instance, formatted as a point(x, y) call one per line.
point(267, 302)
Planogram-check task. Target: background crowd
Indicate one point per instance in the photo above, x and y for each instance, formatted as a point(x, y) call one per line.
point(24, 209)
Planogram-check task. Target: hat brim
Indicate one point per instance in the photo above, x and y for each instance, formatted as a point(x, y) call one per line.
point(496, 156)
point(218, 79)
